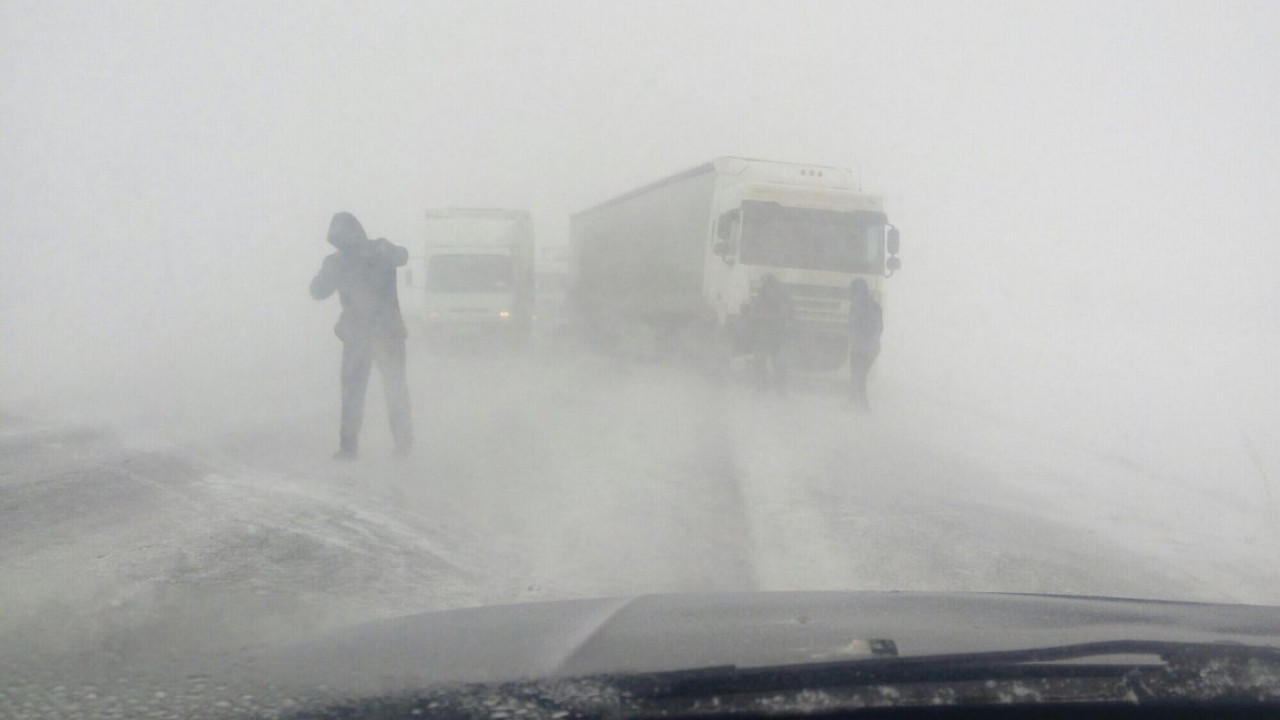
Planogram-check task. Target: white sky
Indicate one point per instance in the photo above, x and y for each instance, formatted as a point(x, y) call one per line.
point(1065, 175)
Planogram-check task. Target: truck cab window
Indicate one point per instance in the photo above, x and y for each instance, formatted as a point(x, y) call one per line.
point(469, 273)
point(774, 235)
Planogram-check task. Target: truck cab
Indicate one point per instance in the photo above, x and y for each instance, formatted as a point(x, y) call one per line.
point(472, 274)
point(810, 228)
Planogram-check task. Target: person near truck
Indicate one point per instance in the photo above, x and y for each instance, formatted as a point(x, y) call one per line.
point(363, 273)
point(769, 319)
point(866, 323)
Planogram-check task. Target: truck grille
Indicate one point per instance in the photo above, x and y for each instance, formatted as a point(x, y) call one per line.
point(820, 304)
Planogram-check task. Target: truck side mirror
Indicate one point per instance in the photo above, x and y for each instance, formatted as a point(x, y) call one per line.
point(724, 249)
point(724, 231)
point(893, 243)
point(724, 226)
point(894, 264)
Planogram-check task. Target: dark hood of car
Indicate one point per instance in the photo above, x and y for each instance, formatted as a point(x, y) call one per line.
point(660, 633)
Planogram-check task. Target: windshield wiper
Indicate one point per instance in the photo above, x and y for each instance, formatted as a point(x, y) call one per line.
point(1123, 670)
point(1240, 680)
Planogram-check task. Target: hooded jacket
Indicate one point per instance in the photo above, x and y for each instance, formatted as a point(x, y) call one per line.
point(866, 321)
point(769, 314)
point(363, 273)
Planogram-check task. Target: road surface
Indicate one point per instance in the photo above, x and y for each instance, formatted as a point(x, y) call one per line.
point(552, 473)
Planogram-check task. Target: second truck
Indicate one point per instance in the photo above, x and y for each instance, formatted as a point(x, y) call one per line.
point(472, 274)
point(670, 267)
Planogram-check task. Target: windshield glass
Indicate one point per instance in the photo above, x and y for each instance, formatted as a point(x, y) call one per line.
point(789, 237)
point(469, 273)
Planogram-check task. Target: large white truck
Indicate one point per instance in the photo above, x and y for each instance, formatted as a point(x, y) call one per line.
point(671, 266)
point(473, 273)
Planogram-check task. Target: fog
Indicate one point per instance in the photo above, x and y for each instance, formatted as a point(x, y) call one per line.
point(1086, 195)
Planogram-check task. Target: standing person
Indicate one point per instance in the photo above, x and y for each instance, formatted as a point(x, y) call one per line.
point(769, 321)
point(363, 273)
point(866, 323)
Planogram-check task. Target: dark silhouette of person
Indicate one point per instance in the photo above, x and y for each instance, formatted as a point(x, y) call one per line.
point(363, 273)
point(866, 323)
point(769, 322)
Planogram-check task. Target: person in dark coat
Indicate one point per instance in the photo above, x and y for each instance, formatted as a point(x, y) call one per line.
point(769, 321)
point(866, 323)
point(363, 273)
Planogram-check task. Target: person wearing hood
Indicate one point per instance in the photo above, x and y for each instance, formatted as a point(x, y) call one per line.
point(363, 273)
point(866, 323)
point(769, 321)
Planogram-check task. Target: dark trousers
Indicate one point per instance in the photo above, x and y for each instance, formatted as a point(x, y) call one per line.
point(770, 365)
point(859, 366)
point(358, 358)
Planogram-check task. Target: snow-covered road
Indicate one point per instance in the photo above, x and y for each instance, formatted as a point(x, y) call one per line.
point(555, 474)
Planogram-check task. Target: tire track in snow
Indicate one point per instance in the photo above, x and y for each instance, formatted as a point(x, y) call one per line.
point(628, 488)
point(792, 544)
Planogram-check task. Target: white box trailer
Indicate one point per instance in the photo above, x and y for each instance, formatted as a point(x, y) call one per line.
point(473, 271)
point(669, 267)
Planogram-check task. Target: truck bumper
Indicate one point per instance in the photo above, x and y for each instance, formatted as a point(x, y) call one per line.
point(818, 349)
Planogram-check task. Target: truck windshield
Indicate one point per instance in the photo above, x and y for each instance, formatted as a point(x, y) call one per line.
point(791, 237)
point(469, 273)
